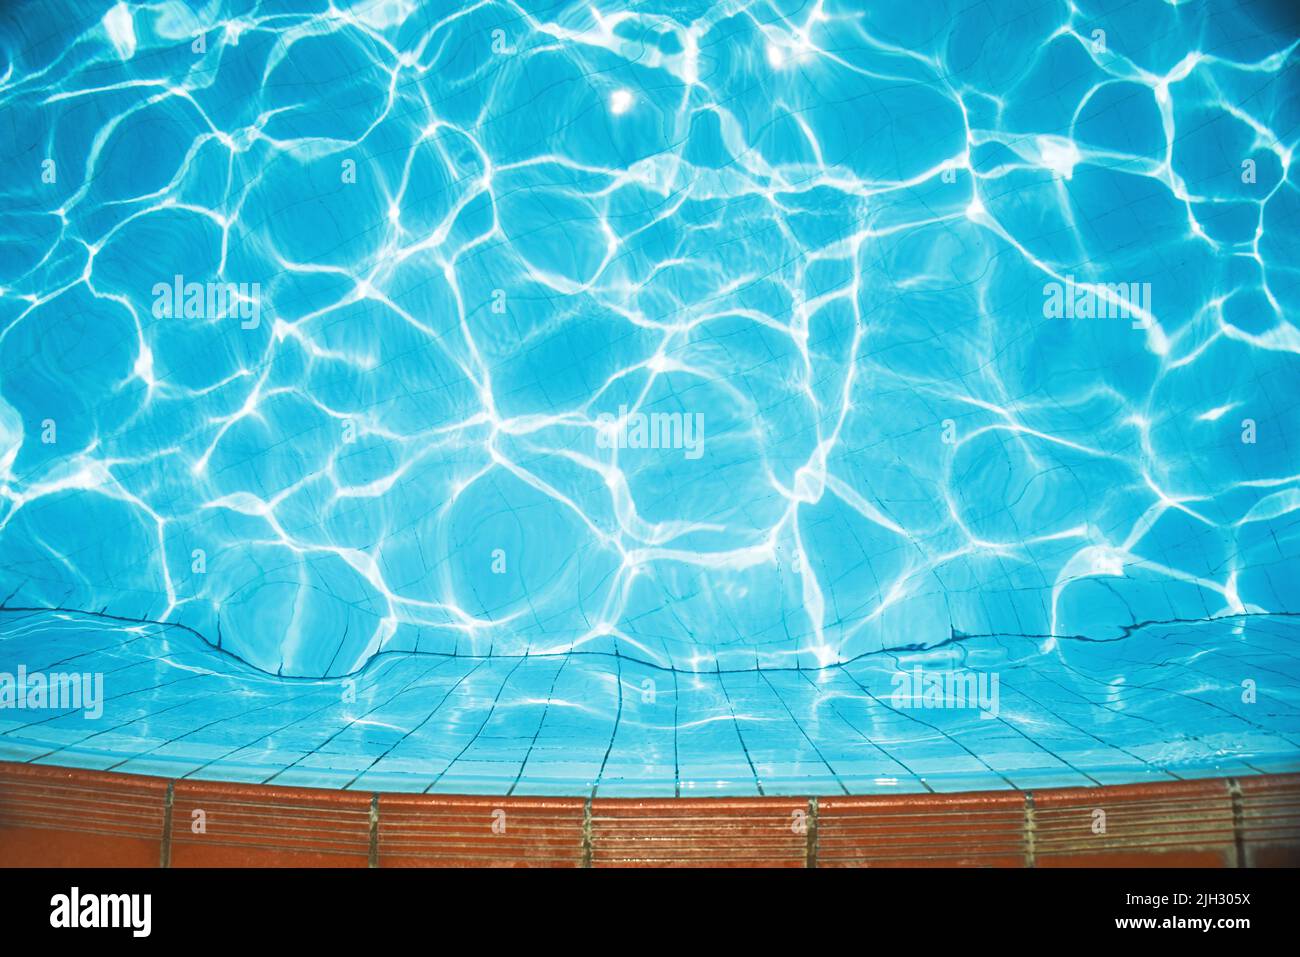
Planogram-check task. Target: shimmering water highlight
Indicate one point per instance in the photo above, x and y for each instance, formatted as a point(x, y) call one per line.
point(698, 338)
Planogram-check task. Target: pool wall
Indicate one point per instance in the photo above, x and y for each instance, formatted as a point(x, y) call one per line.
point(64, 817)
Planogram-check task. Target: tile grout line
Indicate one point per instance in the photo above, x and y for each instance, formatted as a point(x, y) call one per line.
point(586, 830)
point(1031, 850)
point(165, 845)
point(374, 830)
point(811, 853)
point(1238, 821)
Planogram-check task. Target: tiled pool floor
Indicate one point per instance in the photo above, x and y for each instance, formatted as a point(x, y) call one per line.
point(1169, 701)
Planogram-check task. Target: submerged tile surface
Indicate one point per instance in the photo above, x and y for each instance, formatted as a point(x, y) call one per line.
point(1170, 704)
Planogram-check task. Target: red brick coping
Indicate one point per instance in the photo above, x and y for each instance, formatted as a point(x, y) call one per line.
point(56, 817)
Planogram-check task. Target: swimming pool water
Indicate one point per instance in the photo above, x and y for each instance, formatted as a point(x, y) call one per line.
point(652, 397)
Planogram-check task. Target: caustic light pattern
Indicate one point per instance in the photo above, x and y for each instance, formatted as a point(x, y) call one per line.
point(711, 336)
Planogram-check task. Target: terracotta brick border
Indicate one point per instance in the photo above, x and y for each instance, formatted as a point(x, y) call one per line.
point(59, 817)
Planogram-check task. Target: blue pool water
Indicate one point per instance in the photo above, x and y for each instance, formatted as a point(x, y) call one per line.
point(650, 396)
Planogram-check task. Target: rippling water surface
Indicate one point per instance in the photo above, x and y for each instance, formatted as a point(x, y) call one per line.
point(710, 337)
